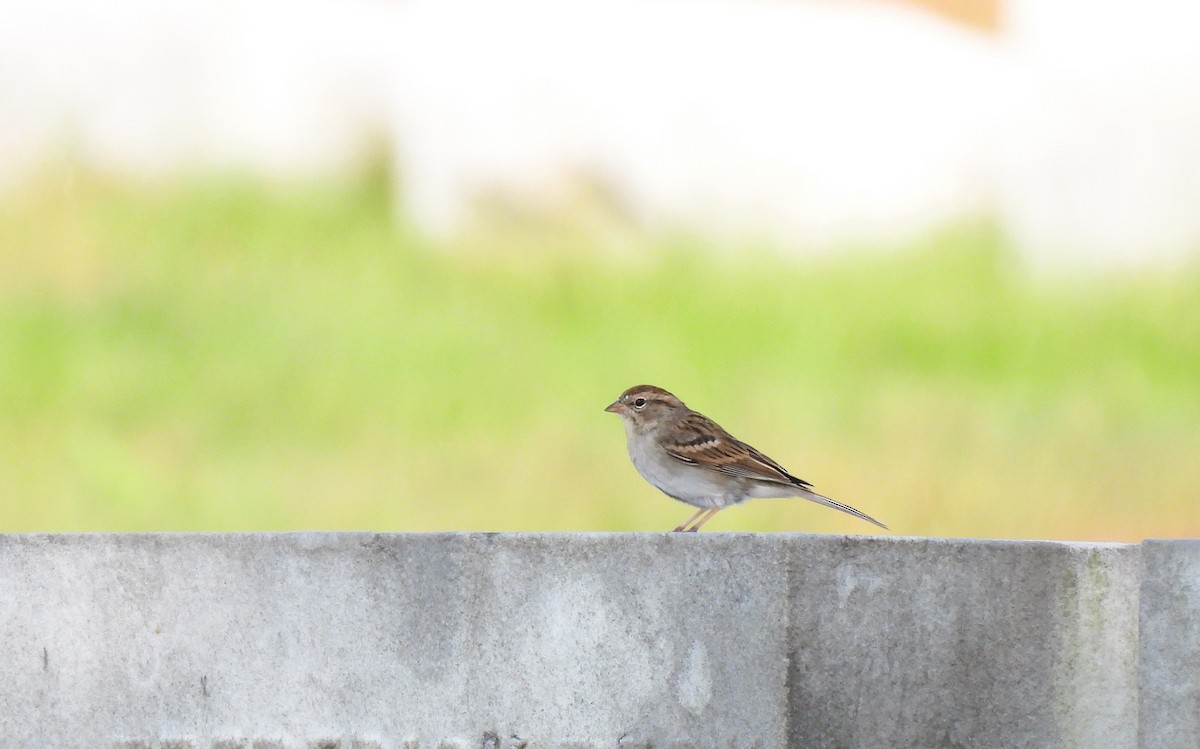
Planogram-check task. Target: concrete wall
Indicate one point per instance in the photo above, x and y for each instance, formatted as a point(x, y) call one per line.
point(267, 641)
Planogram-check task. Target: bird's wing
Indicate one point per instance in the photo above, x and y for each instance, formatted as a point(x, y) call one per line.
point(699, 440)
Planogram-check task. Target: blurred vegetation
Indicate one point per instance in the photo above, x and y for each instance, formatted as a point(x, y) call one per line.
point(226, 354)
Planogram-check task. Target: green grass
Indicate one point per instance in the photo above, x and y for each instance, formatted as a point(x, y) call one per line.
point(221, 354)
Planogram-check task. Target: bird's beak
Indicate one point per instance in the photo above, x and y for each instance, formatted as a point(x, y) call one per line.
point(616, 407)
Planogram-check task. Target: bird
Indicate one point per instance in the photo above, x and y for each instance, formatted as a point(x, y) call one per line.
point(690, 458)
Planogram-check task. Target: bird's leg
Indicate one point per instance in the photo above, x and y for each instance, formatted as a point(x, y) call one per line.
point(686, 523)
point(705, 519)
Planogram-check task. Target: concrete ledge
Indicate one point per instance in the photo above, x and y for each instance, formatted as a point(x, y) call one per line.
point(1170, 644)
point(274, 641)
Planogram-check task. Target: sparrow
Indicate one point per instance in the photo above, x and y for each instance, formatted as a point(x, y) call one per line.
point(689, 457)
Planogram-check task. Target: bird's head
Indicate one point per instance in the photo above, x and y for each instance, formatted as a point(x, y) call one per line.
point(644, 407)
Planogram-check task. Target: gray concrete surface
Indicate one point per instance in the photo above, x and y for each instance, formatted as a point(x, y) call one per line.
point(1170, 644)
point(449, 641)
point(938, 643)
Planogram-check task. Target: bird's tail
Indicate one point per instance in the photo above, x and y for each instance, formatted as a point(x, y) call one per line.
point(834, 504)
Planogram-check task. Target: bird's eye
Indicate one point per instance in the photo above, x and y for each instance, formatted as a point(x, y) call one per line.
point(639, 403)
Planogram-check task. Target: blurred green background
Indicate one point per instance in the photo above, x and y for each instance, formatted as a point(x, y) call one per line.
point(218, 353)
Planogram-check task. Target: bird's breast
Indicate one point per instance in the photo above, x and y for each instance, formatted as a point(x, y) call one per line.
point(697, 486)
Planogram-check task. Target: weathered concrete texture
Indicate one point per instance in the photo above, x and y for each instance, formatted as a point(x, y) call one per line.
point(1170, 645)
point(363, 641)
point(939, 643)
point(461, 640)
